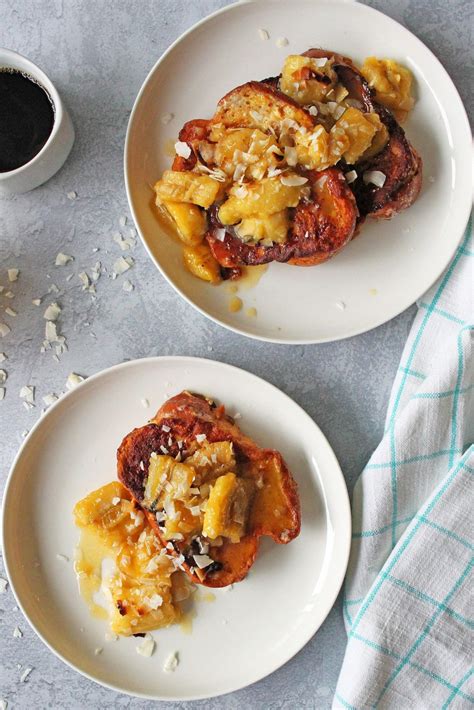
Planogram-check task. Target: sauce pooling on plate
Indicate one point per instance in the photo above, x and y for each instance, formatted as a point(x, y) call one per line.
point(26, 119)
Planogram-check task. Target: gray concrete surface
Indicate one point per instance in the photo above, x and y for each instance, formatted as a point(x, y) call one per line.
point(98, 53)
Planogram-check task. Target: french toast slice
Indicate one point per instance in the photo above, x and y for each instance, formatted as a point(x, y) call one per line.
point(259, 105)
point(185, 429)
point(320, 227)
point(398, 160)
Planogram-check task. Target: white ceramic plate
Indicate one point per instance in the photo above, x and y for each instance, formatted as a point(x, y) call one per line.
point(393, 263)
point(246, 633)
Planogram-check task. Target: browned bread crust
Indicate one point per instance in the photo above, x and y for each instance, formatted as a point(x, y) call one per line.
point(184, 417)
point(319, 228)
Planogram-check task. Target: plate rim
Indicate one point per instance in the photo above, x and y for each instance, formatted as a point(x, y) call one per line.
point(343, 537)
point(462, 212)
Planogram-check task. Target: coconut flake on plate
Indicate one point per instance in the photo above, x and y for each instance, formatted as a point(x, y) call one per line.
point(281, 42)
point(71, 195)
point(146, 647)
point(182, 149)
point(293, 180)
point(4, 330)
point(13, 274)
point(374, 177)
point(36, 301)
point(9, 311)
point(171, 663)
point(9, 294)
point(73, 380)
point(3, 585)
point(128, 286)
point(166, 118)
point(3, 376)
point(3, 357)
point(341, 305)
point(17, 633)
point(263, 34)
point(98, 651)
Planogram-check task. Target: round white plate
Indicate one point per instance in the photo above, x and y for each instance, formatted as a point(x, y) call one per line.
point(246, 633)
point(391, 264)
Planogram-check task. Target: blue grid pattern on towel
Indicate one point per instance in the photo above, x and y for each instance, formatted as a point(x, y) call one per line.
point(401, 527)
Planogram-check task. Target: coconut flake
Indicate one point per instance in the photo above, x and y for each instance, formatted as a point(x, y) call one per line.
point(171, 663)
point(313, 110)
point(52, 312)
point(293, 180)
point(50, 399)
point(182, 149)
point(166, 118)
point(281, 42)
point(3, 585)
point(3, 376)
point(13, 274)
point(291, 156)
point(25, 674)
point(9, 311)
point(240, 191)
point(62, 558)
point(155, 601)
point(341, 305)
point(375, 177)
point(98, 651)
point(146, 647)
point(63, 259)
point(71, 195)
point(4, 330)
point(73, 380)
point(200, 438)
point(85, 280)
point(263, 34)
point(36, 301)
point(319, 61)
point(351, 176)
point(27, 393)
point(203, 561)
point(17, 633)
point(2, 357)
point(219, 234)
point(128, 286)
point(9, 294)
point(123, 264)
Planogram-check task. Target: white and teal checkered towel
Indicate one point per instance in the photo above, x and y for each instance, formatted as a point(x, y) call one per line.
point(408, 595)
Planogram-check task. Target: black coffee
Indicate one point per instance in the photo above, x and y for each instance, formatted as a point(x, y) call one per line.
point(26, 119)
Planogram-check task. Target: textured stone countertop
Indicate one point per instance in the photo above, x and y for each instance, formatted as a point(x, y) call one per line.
point(98, 53)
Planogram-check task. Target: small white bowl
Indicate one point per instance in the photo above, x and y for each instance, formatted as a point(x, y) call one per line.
point(58, 146)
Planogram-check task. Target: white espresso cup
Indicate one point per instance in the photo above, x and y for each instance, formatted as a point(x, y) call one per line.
point(52, 155)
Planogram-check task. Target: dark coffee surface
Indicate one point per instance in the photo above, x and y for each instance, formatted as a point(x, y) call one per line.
point(26, 119)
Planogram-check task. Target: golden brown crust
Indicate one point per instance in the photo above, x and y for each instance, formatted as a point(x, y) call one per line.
point(184, 417)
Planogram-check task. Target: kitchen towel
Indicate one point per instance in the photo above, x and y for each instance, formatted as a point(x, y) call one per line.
point(408, 595)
